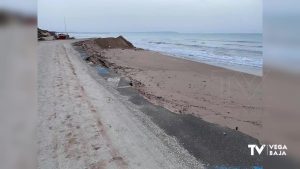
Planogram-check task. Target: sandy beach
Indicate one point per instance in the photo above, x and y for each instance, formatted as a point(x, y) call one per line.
point(217, 95)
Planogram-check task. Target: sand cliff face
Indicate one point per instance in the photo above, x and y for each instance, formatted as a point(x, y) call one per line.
point(217, 95)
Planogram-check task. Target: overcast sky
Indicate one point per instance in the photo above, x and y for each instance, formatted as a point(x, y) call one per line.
point(199, 16)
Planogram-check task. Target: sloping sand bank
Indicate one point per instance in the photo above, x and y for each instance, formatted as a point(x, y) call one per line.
point(217, 95)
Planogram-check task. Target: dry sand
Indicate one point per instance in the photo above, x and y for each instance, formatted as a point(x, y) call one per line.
point(225, 97)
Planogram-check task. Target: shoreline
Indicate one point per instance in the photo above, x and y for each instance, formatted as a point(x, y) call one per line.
point(218, 95)
point(236, 68)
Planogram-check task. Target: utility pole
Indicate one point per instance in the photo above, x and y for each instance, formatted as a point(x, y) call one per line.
point(65, 26)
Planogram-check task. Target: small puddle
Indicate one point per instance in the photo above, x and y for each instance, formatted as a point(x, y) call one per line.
point(102, 70)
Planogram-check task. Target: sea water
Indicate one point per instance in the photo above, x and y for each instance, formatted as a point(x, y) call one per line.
point(240, 52)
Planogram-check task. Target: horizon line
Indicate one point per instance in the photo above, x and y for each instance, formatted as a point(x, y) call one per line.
point(106, 32)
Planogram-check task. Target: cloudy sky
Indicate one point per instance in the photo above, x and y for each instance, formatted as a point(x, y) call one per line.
point(199, 16)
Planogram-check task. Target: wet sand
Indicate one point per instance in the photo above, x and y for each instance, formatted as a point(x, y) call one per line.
point(217, 95)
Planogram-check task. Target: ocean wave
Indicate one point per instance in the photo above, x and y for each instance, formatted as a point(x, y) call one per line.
point(206, 47)
point(237, 41)
point(223, 59)
point(255, 46)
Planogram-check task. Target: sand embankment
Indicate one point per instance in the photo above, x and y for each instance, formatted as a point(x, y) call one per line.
point(225, 97)
point(119, 42)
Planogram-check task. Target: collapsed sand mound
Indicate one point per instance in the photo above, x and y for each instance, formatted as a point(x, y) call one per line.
point(119, 42)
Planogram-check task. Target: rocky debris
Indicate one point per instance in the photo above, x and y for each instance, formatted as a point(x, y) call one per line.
point(51, 35)
point(46, 35)
point(119, 42)
point(95, 49)
point(93, 56)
